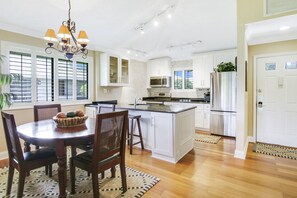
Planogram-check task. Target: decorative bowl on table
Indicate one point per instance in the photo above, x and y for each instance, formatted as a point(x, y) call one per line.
point(71, 119)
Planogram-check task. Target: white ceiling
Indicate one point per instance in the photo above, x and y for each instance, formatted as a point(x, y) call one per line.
point(111, 24)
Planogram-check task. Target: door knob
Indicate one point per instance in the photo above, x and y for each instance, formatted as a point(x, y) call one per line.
point(260, 104)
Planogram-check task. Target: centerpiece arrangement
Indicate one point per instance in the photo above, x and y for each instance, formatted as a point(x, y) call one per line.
point(70, 119)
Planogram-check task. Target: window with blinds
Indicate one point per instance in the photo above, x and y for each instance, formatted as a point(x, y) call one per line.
point(21, 64)
point(44, 78)
point(81, 80)
point(188, 79)
point(65, 78)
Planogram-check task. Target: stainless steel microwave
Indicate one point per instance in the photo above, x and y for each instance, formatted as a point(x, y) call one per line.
point(160, 81)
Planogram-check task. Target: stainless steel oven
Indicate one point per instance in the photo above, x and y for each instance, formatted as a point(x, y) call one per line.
point(160, 81)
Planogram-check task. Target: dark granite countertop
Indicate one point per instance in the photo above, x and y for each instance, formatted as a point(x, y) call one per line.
point(175, 108)
point(174, 99)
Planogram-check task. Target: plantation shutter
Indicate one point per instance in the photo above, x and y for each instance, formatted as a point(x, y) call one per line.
point(65, 78)
point(81, 81)
point(44, 79)
point(21, 64)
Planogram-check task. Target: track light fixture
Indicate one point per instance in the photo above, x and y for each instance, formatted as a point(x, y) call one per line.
point(155, 20)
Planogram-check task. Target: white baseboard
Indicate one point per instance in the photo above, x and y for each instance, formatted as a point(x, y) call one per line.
point(3, 155)
point(251, 139)
point(241, 154)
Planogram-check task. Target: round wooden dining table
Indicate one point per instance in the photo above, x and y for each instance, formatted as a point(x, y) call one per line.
point(45, 133)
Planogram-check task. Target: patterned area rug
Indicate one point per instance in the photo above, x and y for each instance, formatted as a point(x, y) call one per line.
point(40, 185)
point(213, 139)
point(275, 150)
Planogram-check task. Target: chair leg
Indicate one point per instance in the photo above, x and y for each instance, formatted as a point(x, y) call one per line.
point(128, 138)
point(113, 171)
point(9, 179)
point(73, 151)
point(95, 184)
point(140, 133)
point(50, 170)
point(22, 176)
point(131, 137)
point(102, 175)
point(123, 177)
point(72, 177)
point(46, 170)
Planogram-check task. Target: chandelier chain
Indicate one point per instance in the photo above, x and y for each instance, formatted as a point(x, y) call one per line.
point(69, 3)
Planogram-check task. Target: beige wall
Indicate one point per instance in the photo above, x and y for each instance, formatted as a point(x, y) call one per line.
point(256, 50)
point(248, 11)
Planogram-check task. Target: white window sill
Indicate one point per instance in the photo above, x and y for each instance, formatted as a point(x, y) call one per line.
point(30, 106)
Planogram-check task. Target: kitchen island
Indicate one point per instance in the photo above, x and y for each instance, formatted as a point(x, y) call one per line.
point(167, 130)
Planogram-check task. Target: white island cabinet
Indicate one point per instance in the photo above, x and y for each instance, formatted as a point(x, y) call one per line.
point(167, 130)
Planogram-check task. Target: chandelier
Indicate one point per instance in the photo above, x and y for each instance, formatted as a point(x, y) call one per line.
point(65, 45)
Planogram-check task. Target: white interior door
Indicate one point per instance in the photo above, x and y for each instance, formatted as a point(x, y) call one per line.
point(277, 100)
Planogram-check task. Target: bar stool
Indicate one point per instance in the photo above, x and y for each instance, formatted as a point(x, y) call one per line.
point(131, 134)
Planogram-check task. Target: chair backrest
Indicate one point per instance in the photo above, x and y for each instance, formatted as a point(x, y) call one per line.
point(43, 112)
point(110, 135)
point(12, 139)
point(104, 108)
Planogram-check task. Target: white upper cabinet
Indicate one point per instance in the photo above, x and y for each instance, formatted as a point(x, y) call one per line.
point(114, 71)
point(205, 63)
point(202, 67)
point(158, 67)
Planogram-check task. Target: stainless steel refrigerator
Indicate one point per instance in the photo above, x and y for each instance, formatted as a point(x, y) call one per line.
point(223, 103)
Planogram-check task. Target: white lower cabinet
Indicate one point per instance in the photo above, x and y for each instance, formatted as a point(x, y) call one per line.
point(163, 133)
point(202, 116)
point(168, 135)
point(91, 112)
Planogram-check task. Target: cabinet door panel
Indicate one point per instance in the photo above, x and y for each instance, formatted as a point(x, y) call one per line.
point(199, 118)
point(163, 137)
point(203, 66)
point(113, 69)
point(125, 71)
point(206, 123)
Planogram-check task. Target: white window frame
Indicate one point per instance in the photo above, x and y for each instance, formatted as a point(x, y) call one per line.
point(6, 47)
point(183, 78)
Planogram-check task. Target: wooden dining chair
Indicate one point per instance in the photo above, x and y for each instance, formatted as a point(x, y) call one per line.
point(108, 150)
point(44, 112)
point(101, 108)
point(23, 162)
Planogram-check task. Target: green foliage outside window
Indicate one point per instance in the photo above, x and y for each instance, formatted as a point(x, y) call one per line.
point(178, 80)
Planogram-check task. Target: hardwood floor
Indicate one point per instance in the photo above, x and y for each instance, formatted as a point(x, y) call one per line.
point(210, 170)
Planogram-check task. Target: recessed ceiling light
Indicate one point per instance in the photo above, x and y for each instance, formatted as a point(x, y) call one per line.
point(169, 16)
point(128, 52)
point(156, 23)
point(284, 28)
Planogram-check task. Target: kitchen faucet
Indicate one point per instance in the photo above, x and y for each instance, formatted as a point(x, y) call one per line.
point(136, 100)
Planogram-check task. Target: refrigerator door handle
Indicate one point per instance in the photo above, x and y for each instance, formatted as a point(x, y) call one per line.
point(211, 91)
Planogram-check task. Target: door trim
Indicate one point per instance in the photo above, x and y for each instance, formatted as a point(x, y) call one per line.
point(255, 85)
